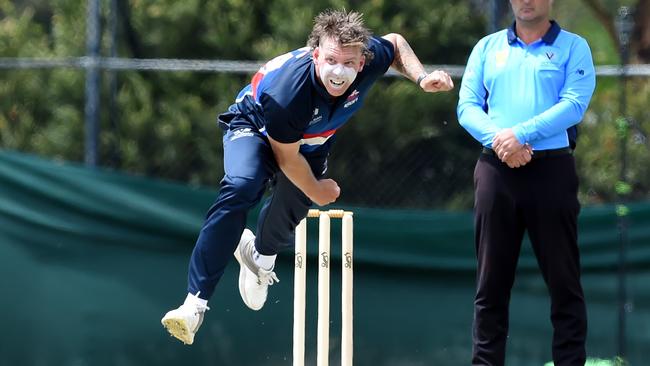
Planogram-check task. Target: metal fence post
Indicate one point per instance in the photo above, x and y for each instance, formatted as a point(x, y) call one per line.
point(494, 16)
point(91, 109)
point(113, 112)
point(624, 26)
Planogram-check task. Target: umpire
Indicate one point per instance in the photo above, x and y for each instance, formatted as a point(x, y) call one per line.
point(524, 90)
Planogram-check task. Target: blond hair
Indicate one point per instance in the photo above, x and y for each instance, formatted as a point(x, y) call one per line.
point(344, 27)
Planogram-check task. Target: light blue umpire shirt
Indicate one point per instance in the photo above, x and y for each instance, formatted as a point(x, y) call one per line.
point(540, 90)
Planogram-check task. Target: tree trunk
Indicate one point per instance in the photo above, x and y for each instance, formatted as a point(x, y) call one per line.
point(640, 40)
point(132, 37)
point(641, 35)
point(605, 17)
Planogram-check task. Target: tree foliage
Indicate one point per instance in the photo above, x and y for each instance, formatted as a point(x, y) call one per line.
point(404, 148)
point(606, 14)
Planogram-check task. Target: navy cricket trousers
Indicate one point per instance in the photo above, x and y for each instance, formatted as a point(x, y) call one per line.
point(541, 198)
point(250, 167)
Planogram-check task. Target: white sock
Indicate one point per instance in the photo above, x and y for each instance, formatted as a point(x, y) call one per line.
point(265, 261)
point(195, 299)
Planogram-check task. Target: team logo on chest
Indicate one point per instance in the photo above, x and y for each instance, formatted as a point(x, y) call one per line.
point(316, 117)
point(501, 57)
point(351, 99)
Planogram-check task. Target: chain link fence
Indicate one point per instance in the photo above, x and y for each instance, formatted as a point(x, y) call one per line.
point(156, 117)
point(406, 150)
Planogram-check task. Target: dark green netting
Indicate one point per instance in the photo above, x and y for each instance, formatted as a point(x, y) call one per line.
point(91, 259)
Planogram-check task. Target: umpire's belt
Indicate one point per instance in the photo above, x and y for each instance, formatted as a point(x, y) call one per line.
point(538, 154)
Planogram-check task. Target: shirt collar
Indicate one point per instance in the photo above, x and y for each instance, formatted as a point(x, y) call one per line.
point(548, 38)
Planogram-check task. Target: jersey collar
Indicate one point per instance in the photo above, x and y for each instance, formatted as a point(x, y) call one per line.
point(548, 38)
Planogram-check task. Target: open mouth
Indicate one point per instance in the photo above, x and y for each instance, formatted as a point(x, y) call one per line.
point(336, 84)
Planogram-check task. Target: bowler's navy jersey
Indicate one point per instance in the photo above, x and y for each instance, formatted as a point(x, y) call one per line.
point(285, 100)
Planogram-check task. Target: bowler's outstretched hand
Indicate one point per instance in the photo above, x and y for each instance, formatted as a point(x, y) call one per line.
point(437, 81)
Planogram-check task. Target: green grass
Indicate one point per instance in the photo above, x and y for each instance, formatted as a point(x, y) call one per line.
point(617, 361)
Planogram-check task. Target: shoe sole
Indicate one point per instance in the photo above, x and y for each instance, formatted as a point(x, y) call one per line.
point(242, 281)
point(179, 330)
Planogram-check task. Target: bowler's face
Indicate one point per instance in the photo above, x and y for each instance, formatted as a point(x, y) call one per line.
point(532, 11)
point(337, 65)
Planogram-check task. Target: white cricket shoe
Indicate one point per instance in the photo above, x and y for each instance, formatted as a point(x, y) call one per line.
point(254, 281)
point(184, 322)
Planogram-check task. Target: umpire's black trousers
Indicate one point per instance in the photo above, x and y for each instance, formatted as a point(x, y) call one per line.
point(540, 197)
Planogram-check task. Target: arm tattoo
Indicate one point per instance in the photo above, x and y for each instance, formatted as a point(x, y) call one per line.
point(406, 62)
